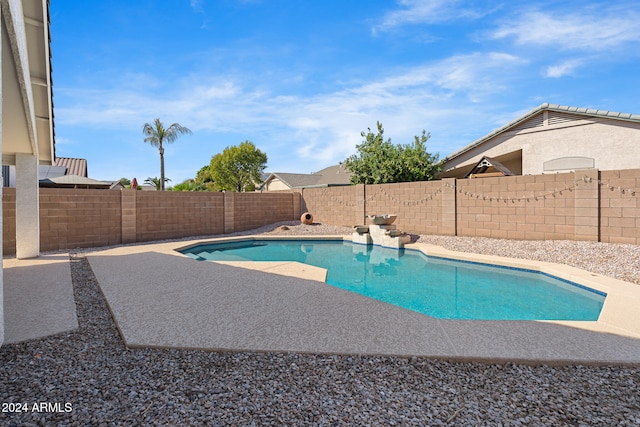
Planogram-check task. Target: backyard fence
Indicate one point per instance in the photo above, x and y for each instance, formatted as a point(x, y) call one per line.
point(81, 218)
point(583, 205)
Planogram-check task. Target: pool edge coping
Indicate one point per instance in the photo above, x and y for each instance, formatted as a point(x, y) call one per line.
point(615, 316)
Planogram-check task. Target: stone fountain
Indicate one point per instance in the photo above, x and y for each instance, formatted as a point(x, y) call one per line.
point(381, 232)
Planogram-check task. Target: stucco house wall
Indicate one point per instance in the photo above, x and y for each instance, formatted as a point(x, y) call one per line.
point(276, 185)
point(551, 141)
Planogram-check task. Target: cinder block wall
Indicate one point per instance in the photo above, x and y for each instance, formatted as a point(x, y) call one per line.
point(253, 210)
point(169, 215)
point(620, 206)
point(585, 205)
point(341, 205)
point(417, 204)
point(79, 218)
point(539, 207)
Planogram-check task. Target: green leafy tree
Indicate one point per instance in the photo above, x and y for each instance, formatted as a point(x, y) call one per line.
point(204, 179)
point(157, 135)
point(238, 168)
point(417, 163)
point(155, 181)
point(378, 161)
point(125, 182)
point(187, 185)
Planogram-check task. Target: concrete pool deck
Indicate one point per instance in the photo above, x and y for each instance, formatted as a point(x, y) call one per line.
point(161, 298)
point(38, 297)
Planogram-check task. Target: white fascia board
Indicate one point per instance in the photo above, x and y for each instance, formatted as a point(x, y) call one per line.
point(13, 15)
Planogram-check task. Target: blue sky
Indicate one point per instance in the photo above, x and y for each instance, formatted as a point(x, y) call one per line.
point(302, 78)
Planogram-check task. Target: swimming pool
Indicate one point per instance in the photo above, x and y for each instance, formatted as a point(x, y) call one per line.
point(437, 287)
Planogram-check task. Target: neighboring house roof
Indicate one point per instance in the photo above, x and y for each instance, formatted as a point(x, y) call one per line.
point(45, 172)
point(74, 166)
point(74, 181)
point(115, 185)
point(332, 175)
point(587, 112)
point(293, 180)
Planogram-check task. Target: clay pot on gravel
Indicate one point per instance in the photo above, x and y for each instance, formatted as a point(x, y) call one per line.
point(306, 218)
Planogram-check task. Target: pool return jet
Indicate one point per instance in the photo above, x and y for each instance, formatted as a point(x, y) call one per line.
point(381, 232)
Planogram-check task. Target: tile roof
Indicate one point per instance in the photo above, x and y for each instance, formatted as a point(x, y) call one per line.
point(587, 112)
point(74, 166)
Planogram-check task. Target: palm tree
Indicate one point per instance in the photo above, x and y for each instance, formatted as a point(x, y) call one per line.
point(155, 181)
point(156, 134)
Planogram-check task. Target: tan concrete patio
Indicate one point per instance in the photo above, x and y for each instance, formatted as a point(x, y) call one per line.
point(38, 297)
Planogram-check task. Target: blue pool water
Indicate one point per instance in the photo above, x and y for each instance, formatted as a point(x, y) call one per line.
point(437, 287)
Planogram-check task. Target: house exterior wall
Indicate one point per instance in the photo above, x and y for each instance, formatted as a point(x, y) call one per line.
point(613, 144)
point(276, 185)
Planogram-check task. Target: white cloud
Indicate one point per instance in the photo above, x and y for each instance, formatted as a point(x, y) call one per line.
point(597, 33)
point(322, 128)
point(585, 31)
point(471, 74)
point(565, 68)
point(428, 12)
point(429, 97)
point(416, 11)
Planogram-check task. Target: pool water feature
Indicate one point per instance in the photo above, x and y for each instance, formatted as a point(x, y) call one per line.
point(437, 287)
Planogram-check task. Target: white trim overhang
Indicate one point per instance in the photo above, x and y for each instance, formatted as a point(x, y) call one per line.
point(13, 16)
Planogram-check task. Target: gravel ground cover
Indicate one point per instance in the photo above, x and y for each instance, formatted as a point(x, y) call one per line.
point(88, 376)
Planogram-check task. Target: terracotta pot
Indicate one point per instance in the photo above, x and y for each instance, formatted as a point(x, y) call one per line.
point(306, 218)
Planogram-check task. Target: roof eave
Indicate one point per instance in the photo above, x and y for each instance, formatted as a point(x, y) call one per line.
point(588, 112)
point(498, 131)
